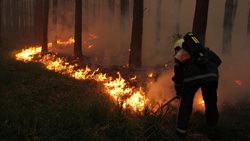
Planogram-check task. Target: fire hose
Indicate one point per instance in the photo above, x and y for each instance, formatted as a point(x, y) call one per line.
point(168, 102)
point(157, 129)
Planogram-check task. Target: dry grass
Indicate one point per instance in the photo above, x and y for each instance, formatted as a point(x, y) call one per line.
point(37, 104)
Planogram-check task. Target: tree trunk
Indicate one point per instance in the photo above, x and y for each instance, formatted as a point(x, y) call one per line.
point(229, 16)
point(136, 39)
point(45, 27)
point(32, 20)
point(177, 20)
point(54, 13)
point(38, 20)
point(124, 13)
point(248, 27)
point(78, 29)
point(124, 8)
point(200, 19)
point(1, 22)
point(21, 19)
point(111, 5)
point(158, 23)
point(14, 8)
point(85, 15)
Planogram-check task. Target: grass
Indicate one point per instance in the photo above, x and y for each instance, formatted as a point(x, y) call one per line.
point(40, 105)
point(37, 104)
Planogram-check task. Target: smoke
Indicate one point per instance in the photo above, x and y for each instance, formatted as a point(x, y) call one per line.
point(159, 51)
point(63, 29)
point(234, 72)
point(113, 40)
point(114, 36)
point(161, 90)
point(234, 77)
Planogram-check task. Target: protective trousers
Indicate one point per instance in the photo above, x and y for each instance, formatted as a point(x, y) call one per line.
point(209, 93)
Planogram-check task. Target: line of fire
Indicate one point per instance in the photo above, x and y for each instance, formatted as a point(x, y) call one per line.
point(128, 48)
point(117, 87)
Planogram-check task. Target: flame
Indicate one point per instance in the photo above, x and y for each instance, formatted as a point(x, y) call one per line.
point(50, 45)
point(71, 40)
point(126, 66)
point(137, 101)
point(117, 88)
point(27, 55)
point(199, 103)
point(65, 43)
point(92, 36)
point(90, 46)
point(133, 78)
point(202, 103)
point(238, 82)
point(151, 75)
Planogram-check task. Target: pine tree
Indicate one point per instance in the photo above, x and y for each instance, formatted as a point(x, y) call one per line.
point(1, 22)
point(136, 39)
point(54, 13)
point(78, 29)
point(45, 27)
point(200, 19)
point(248, 26)
point(229, 16)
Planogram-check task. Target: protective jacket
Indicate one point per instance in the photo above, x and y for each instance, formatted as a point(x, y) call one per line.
point(194, 71)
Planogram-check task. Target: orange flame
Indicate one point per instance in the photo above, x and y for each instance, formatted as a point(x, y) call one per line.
point(27, 55)
point(117, 88)
point(202, 103)
point(151, 75)
point(65, 43)
point(199, 103)
point(90, 46)
point(50, 45)
point(71, 40)
point(238, 82)
point(92, 36)
point(133, 78)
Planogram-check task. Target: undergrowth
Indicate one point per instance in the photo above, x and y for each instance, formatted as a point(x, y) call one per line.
point(40, 105)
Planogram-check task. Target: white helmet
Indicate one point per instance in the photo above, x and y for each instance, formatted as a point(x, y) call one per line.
point(178, 43)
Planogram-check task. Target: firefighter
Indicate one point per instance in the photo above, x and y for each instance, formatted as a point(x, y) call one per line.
point(189, 76)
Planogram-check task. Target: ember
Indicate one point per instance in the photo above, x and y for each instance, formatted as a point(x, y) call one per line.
point(133, 78)
point(150, 74)
point(238, 82)
point(90, 46)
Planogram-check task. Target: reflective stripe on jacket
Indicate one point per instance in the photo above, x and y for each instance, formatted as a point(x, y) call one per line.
point(199, 77)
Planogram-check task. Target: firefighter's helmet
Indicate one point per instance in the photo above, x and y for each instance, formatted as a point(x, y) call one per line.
point(178, 43)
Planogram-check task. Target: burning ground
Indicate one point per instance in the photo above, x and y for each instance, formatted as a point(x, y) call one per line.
point(40, 104)
point(135, 98)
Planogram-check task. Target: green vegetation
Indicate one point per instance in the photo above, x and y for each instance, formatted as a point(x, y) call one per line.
point(41, 105)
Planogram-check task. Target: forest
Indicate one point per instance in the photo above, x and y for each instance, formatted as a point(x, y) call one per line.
point(102, 69)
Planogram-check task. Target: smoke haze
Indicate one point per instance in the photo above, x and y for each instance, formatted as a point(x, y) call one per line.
point(160, 18)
